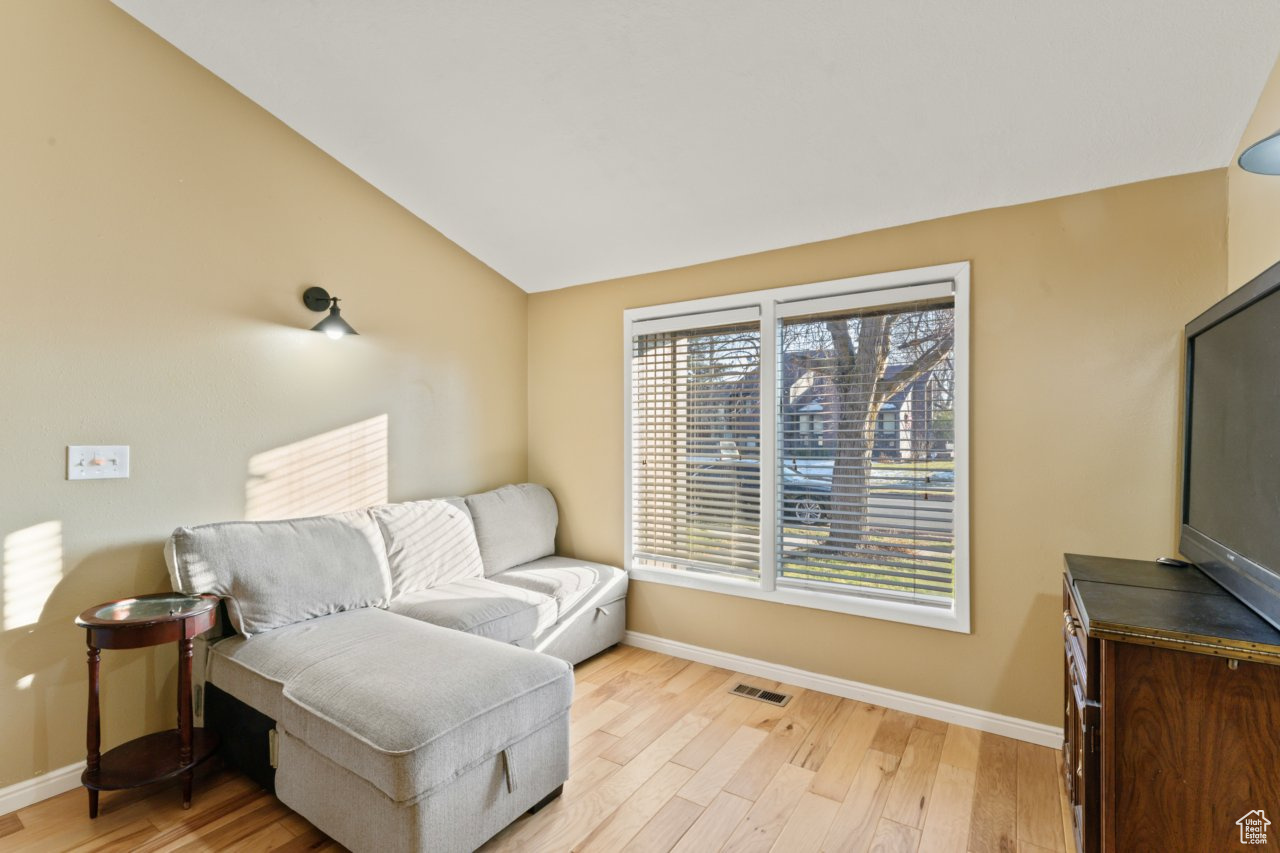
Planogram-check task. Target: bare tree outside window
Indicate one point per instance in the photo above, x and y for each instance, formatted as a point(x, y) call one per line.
point(883, 381)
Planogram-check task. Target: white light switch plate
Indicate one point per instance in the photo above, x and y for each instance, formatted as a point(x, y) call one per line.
point(97, 461)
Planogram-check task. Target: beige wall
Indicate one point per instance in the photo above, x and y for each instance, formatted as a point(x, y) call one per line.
point(1253, 206)
point(156, 229)
point(1078, 308)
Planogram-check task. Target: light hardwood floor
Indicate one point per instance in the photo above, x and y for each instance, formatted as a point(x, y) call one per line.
point(664, 758)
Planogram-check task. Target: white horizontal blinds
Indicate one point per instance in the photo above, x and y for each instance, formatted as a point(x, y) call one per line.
point(866, 464)
point(695, 433)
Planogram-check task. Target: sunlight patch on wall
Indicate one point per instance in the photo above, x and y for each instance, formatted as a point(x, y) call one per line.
point(338, 470)
point(32, 568)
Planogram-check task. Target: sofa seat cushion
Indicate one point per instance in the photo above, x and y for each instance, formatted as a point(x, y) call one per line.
point(568, 581)
point(417, 706)
point(256, 669)
point(480, 606)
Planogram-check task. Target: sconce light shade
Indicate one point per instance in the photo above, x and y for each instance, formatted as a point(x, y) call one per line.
point(318, 299)
point(1263, 156)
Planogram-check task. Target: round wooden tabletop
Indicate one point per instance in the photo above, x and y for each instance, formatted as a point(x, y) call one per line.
point(146, 610)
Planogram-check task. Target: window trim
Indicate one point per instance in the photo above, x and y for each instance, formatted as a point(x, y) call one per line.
point(772, 305)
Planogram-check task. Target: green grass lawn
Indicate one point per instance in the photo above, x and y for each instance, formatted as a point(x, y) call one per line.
point(929, 465)
point(935, 574)
point(862, 573)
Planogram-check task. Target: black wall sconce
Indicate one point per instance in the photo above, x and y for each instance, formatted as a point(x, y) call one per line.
point(318, 299)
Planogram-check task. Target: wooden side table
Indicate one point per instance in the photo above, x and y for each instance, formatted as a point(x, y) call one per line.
point(134, 623)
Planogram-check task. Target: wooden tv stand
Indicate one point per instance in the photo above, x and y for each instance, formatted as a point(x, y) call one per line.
point(1172, 729)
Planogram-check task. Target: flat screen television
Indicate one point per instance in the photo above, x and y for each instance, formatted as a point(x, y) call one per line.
point(1231, 444)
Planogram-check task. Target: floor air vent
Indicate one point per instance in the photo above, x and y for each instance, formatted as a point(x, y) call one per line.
point(769, 696)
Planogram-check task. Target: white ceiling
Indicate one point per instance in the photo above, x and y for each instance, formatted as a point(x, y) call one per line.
point(566, 142)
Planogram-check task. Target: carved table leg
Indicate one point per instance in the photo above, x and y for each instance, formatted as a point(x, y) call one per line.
point(184, 716)
point(93, 731)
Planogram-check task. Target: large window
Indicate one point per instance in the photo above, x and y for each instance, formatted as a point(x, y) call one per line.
point(806, 445)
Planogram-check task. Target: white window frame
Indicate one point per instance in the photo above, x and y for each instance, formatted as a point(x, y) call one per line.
point(771, 305)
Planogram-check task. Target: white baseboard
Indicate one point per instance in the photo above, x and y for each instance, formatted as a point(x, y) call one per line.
point(31, 791)
point(987, 721)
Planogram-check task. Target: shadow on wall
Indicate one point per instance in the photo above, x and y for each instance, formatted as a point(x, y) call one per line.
point(32, 570)
point(334, 471)
point(42, 652)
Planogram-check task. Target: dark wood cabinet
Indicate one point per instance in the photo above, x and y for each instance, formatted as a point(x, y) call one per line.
point(1172, 709)
point(1080, 726)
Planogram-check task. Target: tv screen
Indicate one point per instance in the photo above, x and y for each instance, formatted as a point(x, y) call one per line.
point(1231, 488)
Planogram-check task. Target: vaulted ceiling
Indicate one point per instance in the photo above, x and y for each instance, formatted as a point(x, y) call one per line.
point(565, 142)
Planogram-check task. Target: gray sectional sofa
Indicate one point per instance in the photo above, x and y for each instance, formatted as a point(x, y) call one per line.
point(403, 671)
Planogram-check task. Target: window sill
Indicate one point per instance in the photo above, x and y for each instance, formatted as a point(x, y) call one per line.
point(953, 619)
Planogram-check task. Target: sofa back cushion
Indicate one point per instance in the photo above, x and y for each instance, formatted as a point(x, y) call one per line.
point(429, 544)
point(276, 573)
point(514, 524)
